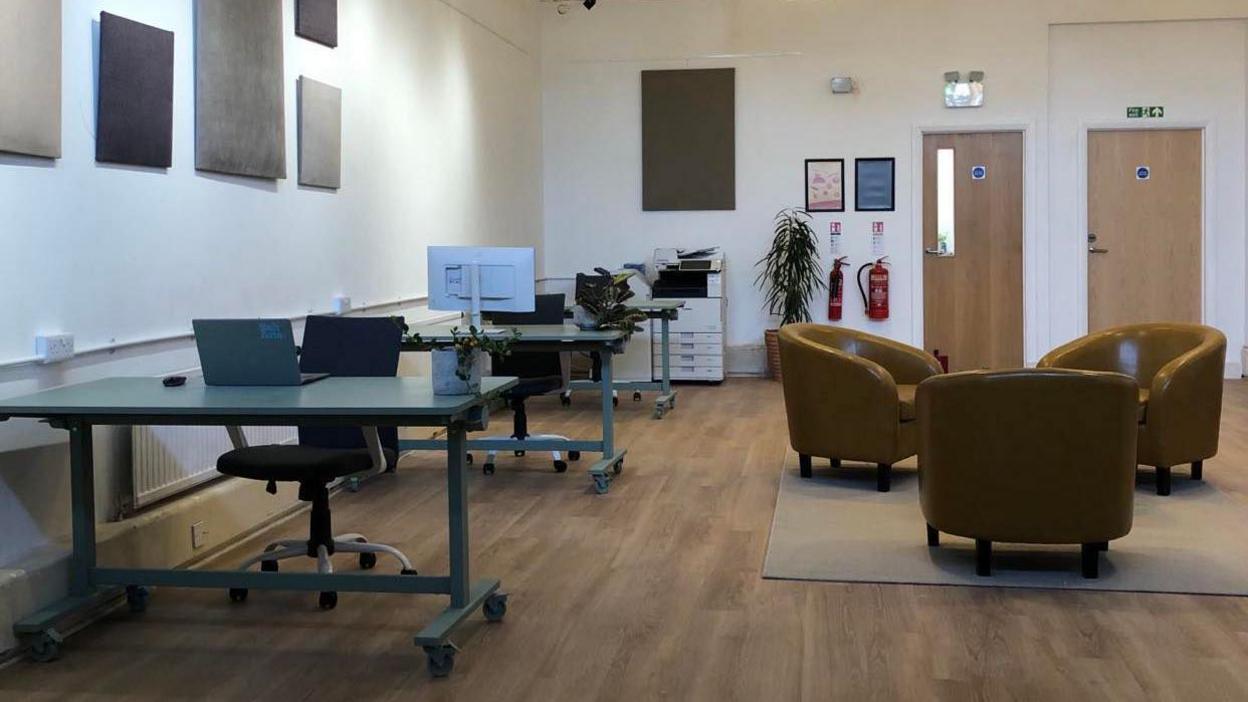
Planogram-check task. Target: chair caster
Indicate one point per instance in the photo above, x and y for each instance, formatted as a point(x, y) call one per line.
point(615, 402)
point(561, 466)
point(408, 571)
point(238, 594)
point(636, 396)
point(268, 566)
point(488, 469)
point(368, 561)
point(574, 455)
point(518, 454)
point(328, 600)
point(565, 400)
point(440, 660)
point(495, 607)
point(45, 646)
point(136, 598)
point(468, 458)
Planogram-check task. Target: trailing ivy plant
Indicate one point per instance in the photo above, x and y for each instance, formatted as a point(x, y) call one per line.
point(466, 343)
point(605, 303)
point(791, 273)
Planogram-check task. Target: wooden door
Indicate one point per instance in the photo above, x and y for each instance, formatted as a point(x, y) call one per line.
point(1145, 194)
point(973, 286)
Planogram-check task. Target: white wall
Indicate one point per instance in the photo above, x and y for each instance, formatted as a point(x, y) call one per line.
point(784, 53)
point(441, 144)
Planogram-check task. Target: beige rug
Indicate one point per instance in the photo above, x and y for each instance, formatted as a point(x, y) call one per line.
point(836, 527)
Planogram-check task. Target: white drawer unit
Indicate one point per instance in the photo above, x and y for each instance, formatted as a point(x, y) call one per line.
point(697, 373)
point(701, 315)
point(696, 341)
point(701, 360)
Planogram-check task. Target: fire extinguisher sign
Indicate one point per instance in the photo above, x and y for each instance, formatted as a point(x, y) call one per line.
point(834, 235)
point(877, 239)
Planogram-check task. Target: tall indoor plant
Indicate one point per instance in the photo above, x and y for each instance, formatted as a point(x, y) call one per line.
point(789, 276)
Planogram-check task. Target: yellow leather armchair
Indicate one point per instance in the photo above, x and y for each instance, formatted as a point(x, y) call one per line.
point(1178, 368)
point(850, 396)
point(1028, 456)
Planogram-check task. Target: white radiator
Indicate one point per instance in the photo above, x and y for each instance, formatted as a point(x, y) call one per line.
point(168, 460)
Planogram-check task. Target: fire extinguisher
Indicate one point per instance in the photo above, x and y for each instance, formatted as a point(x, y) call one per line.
point(876, 302)
point(836, 289)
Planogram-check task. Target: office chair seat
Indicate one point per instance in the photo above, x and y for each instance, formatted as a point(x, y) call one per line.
point(296, 463)
point(532, 387)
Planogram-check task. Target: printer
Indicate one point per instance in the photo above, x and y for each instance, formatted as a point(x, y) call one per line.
point(698, 334)
point(686, 274)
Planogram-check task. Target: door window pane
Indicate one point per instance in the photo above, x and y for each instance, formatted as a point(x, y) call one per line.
point(944, 202)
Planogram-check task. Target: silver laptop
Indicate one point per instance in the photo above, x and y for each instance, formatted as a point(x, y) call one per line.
point(249, 352)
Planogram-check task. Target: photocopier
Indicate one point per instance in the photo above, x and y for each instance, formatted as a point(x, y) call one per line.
point(697, 337)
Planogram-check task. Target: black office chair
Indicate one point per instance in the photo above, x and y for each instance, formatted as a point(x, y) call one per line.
point(539, 373)
point(344, 347)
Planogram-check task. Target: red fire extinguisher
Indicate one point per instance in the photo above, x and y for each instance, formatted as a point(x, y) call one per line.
point(876, 302)
point(836, 289)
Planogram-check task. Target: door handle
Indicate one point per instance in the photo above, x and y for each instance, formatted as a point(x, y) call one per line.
point(933, 252)
point(1094, 250)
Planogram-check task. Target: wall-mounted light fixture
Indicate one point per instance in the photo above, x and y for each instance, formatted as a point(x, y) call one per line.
point(842, 85)
point(968, 93)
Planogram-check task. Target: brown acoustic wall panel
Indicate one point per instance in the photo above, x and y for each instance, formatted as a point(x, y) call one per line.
point(688, 140)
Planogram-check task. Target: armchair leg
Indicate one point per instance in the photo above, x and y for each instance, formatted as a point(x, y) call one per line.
point(1198, 470)
point(883, 477)
point(1092, 560)
point(983, 557)
point(933, 536)
point(804, 463)
point(1103, 546)
point(1163, 480)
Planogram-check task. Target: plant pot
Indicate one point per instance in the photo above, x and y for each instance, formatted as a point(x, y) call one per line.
point(583, 319)
point(772, 338)
point(445, 380)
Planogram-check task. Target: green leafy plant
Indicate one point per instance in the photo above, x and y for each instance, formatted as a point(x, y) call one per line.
point(605, 303)
point(790, 273)
point(467, 343)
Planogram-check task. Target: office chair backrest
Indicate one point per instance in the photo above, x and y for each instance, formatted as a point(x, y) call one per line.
point(350, 347)
point(532, 364)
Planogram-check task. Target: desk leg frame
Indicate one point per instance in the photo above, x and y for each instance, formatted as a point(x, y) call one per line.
point(666, 401)
point(612, 464)
point(92, 587)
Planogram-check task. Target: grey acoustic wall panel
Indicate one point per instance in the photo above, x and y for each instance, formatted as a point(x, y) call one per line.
point(30, 77)
point(320, 134)
point(240, 118)
point(134, 118)
point(688, 136)
point(317, 20)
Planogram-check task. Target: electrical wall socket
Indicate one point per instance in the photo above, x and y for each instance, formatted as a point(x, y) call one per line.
point(342, 305)
point(199, 535)
point(52, 348)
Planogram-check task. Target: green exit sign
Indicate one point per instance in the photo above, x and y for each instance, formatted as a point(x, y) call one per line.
point(1140, 112)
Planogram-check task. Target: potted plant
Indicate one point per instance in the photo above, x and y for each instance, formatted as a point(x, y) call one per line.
point(789, 276)
point(602, 306)
point(457, 369)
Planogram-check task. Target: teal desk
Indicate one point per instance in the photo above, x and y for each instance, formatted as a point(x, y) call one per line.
point(547, 337)
point(399, 402)
point(666, 311)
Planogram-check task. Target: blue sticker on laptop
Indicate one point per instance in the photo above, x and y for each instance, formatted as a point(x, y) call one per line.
point(271, 331)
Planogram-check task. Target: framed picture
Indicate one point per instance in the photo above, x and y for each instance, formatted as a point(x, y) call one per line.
point(825, 185)
point(874, 184)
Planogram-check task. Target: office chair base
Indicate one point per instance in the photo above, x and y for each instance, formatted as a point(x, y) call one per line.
point(556, 456)
point(295, 548)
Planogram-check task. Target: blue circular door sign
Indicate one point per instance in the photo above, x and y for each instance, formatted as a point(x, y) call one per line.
point(979, 172)
point(1143, 173)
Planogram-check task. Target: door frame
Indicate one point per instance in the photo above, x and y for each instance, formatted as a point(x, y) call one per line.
point(1208, 215)
point(1031, 252)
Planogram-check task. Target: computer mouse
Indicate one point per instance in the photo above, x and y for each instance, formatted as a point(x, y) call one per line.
point(174, 381)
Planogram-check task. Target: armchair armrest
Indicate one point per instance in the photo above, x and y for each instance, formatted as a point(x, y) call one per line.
point(1185, 404)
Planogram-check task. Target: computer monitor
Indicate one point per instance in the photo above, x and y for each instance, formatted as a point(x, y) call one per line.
point(481, 279)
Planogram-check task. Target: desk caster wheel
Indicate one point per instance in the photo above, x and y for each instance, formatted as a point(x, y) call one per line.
point(658, 413)
point(488, 469)
point(328, 600)
point(615, 402)
point(136, 598)
point(565, 400)
point(45, 647)
point(561, 466)
point(268, 566)
point(238, 594)
point(368, 561)
point(495, 607)
point(618, 467)
point(574, 455)
point(602, 484)
point(440, 660)
point(468, 458)
point(636, 396)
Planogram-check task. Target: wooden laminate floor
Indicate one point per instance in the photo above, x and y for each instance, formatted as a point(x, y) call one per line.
point(654, 592)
